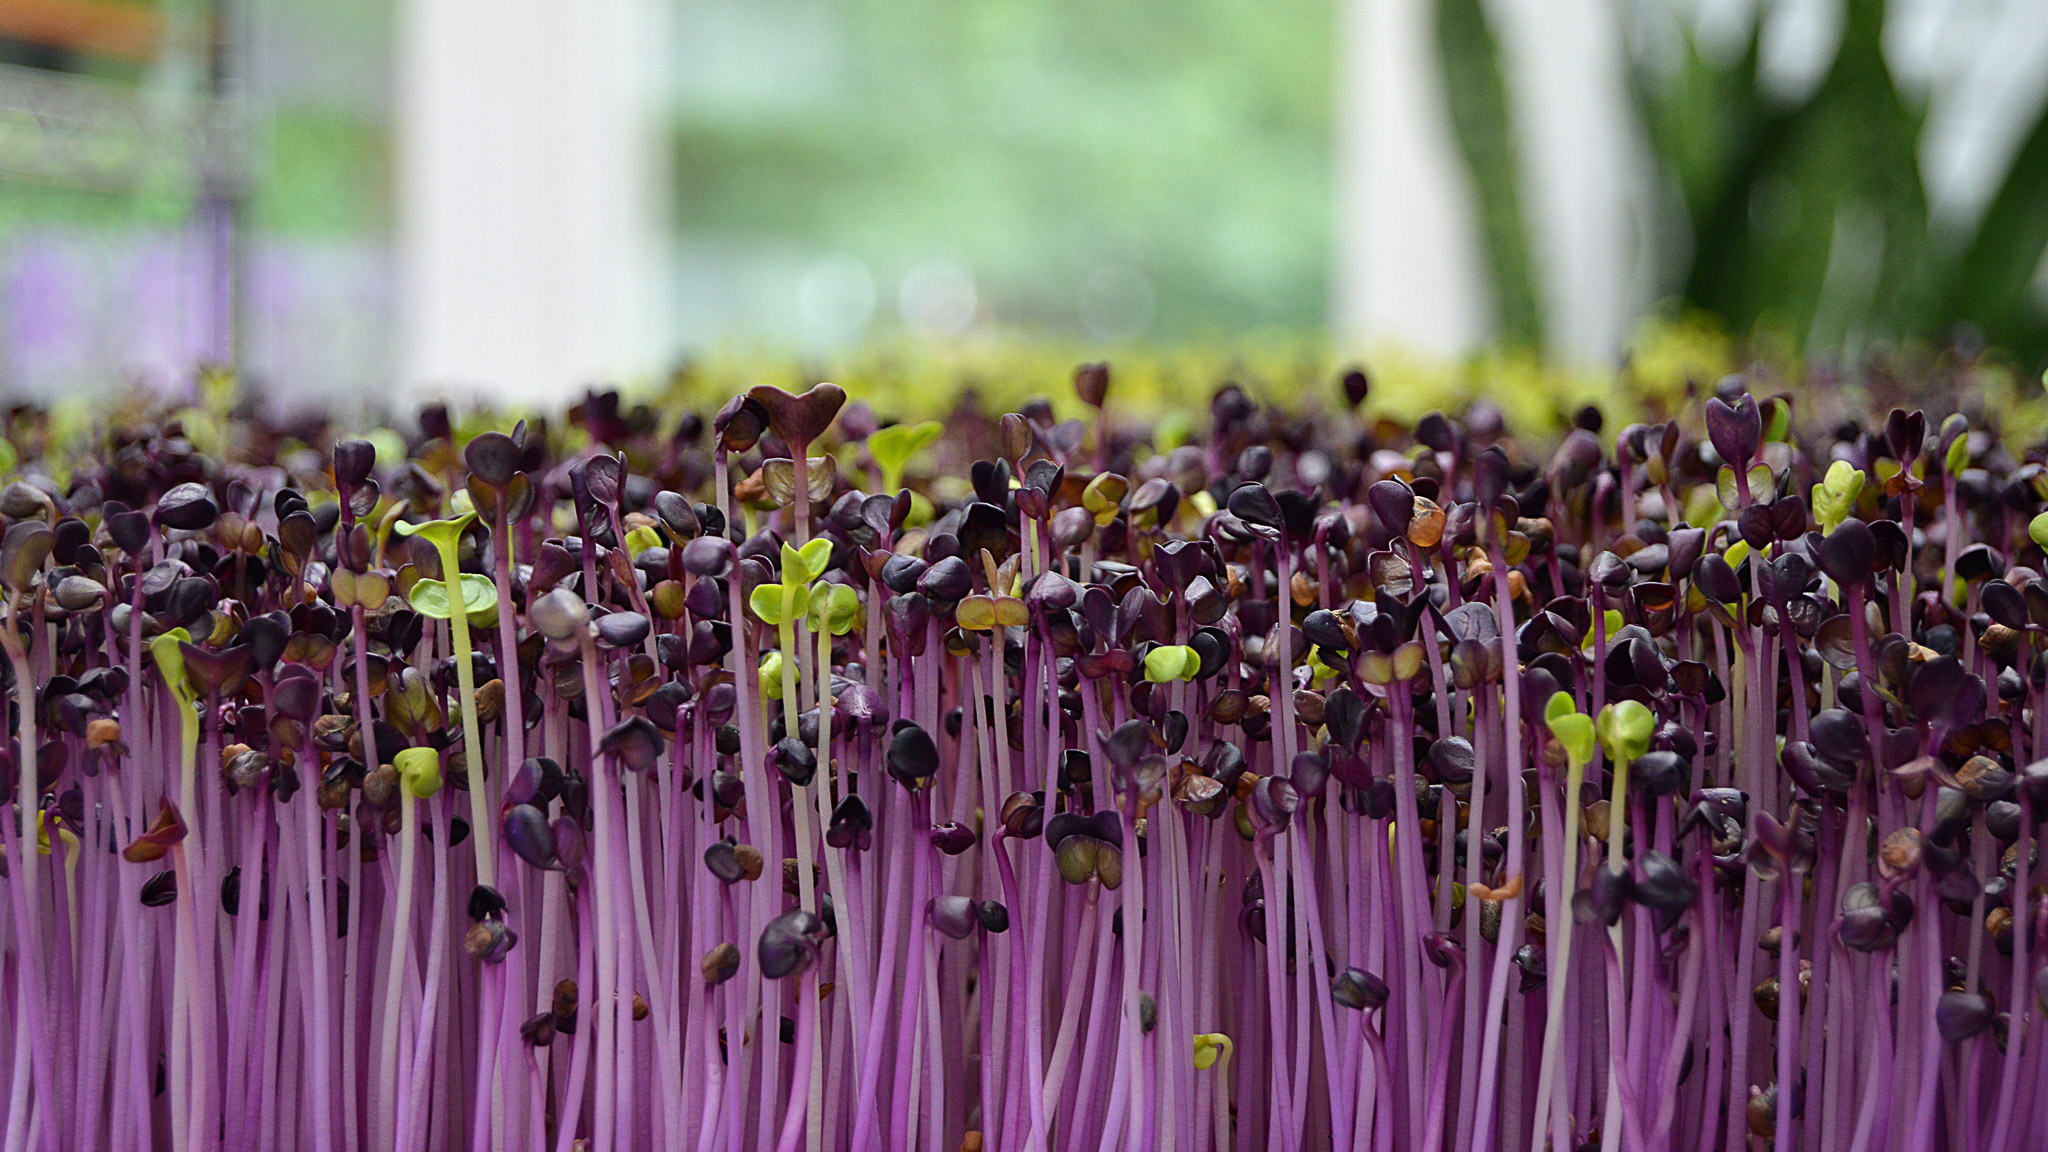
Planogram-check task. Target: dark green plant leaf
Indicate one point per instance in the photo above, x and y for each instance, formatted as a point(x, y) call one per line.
point(1478, 102)
point(1992, 285)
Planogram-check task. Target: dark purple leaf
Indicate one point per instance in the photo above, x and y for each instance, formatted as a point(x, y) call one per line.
point(528, 835)
point(1848, 553)
point(1735, 428)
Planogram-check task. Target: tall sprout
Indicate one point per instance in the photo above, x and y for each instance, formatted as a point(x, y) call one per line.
point(1320, 782)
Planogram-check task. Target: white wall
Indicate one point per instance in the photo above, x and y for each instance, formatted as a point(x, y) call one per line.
point(1585, 170)
point(528, 189)
point(1409, 267)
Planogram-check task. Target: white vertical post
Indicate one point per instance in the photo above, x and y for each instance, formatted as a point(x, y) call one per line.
point(528, 195)
point(1410, 270)
point(1585, 170)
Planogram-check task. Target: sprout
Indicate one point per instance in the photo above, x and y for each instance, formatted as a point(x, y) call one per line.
point(419, 772)
point(895, 446)
point(1367, 691)
point(789, 944)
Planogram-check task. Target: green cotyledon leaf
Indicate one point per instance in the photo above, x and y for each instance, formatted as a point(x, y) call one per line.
point(441, 533)
point(1834, 498)
point(800, 566)
point(895, 446)
point(1625, 728)
point(641, 539)
point(834, 608)
point(1169, 662)
point(419, 770)
point(780, 604)
point(170, 663)
point(1958, 455)
point(1573, 729)
point(479, 598)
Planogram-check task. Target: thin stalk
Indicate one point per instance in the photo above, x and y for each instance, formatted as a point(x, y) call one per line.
point(398, 964)
point(1557, 978)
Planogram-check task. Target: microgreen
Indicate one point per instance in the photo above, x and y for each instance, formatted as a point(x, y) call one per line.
point(896, 446)
point(1097, 794)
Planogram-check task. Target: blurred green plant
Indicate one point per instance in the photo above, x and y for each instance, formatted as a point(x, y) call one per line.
point(1477, 97)
point(1807, 217)
point(1810, 217)
point(1169, 385)
point(1030, 140)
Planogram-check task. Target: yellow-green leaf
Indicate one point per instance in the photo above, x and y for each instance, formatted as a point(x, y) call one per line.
point(976, 613)
point(479, 598)
point(1575, 732)
point(1407, 661)
point(835, 608)
point(1835, 496)
point(1761, 483)
point(1104, 495)
point(1169, 662)
point(1615, 622)
point(1625, 728)
point(1559, 704)
point(803, 565)
point(894, 447)
point(419, 770)
point(170, 663)
point(1777, 419)
point(1209, 1046)
point(641, 539)
point(1703, 508)
point(780, 604)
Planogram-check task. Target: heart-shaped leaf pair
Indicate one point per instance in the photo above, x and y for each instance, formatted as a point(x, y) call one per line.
point(834, 609)
point(778, 479)
point(1834, 498)
point(979, 613)
point(1379, 669)
point(798, 420)
point(1625, 728)
point(442, 534)
point(368, 590)
point(800, 566)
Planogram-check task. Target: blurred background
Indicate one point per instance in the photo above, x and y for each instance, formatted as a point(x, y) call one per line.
point(383, 198)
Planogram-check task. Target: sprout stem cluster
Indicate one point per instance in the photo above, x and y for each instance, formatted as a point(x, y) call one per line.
point(786, 780)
